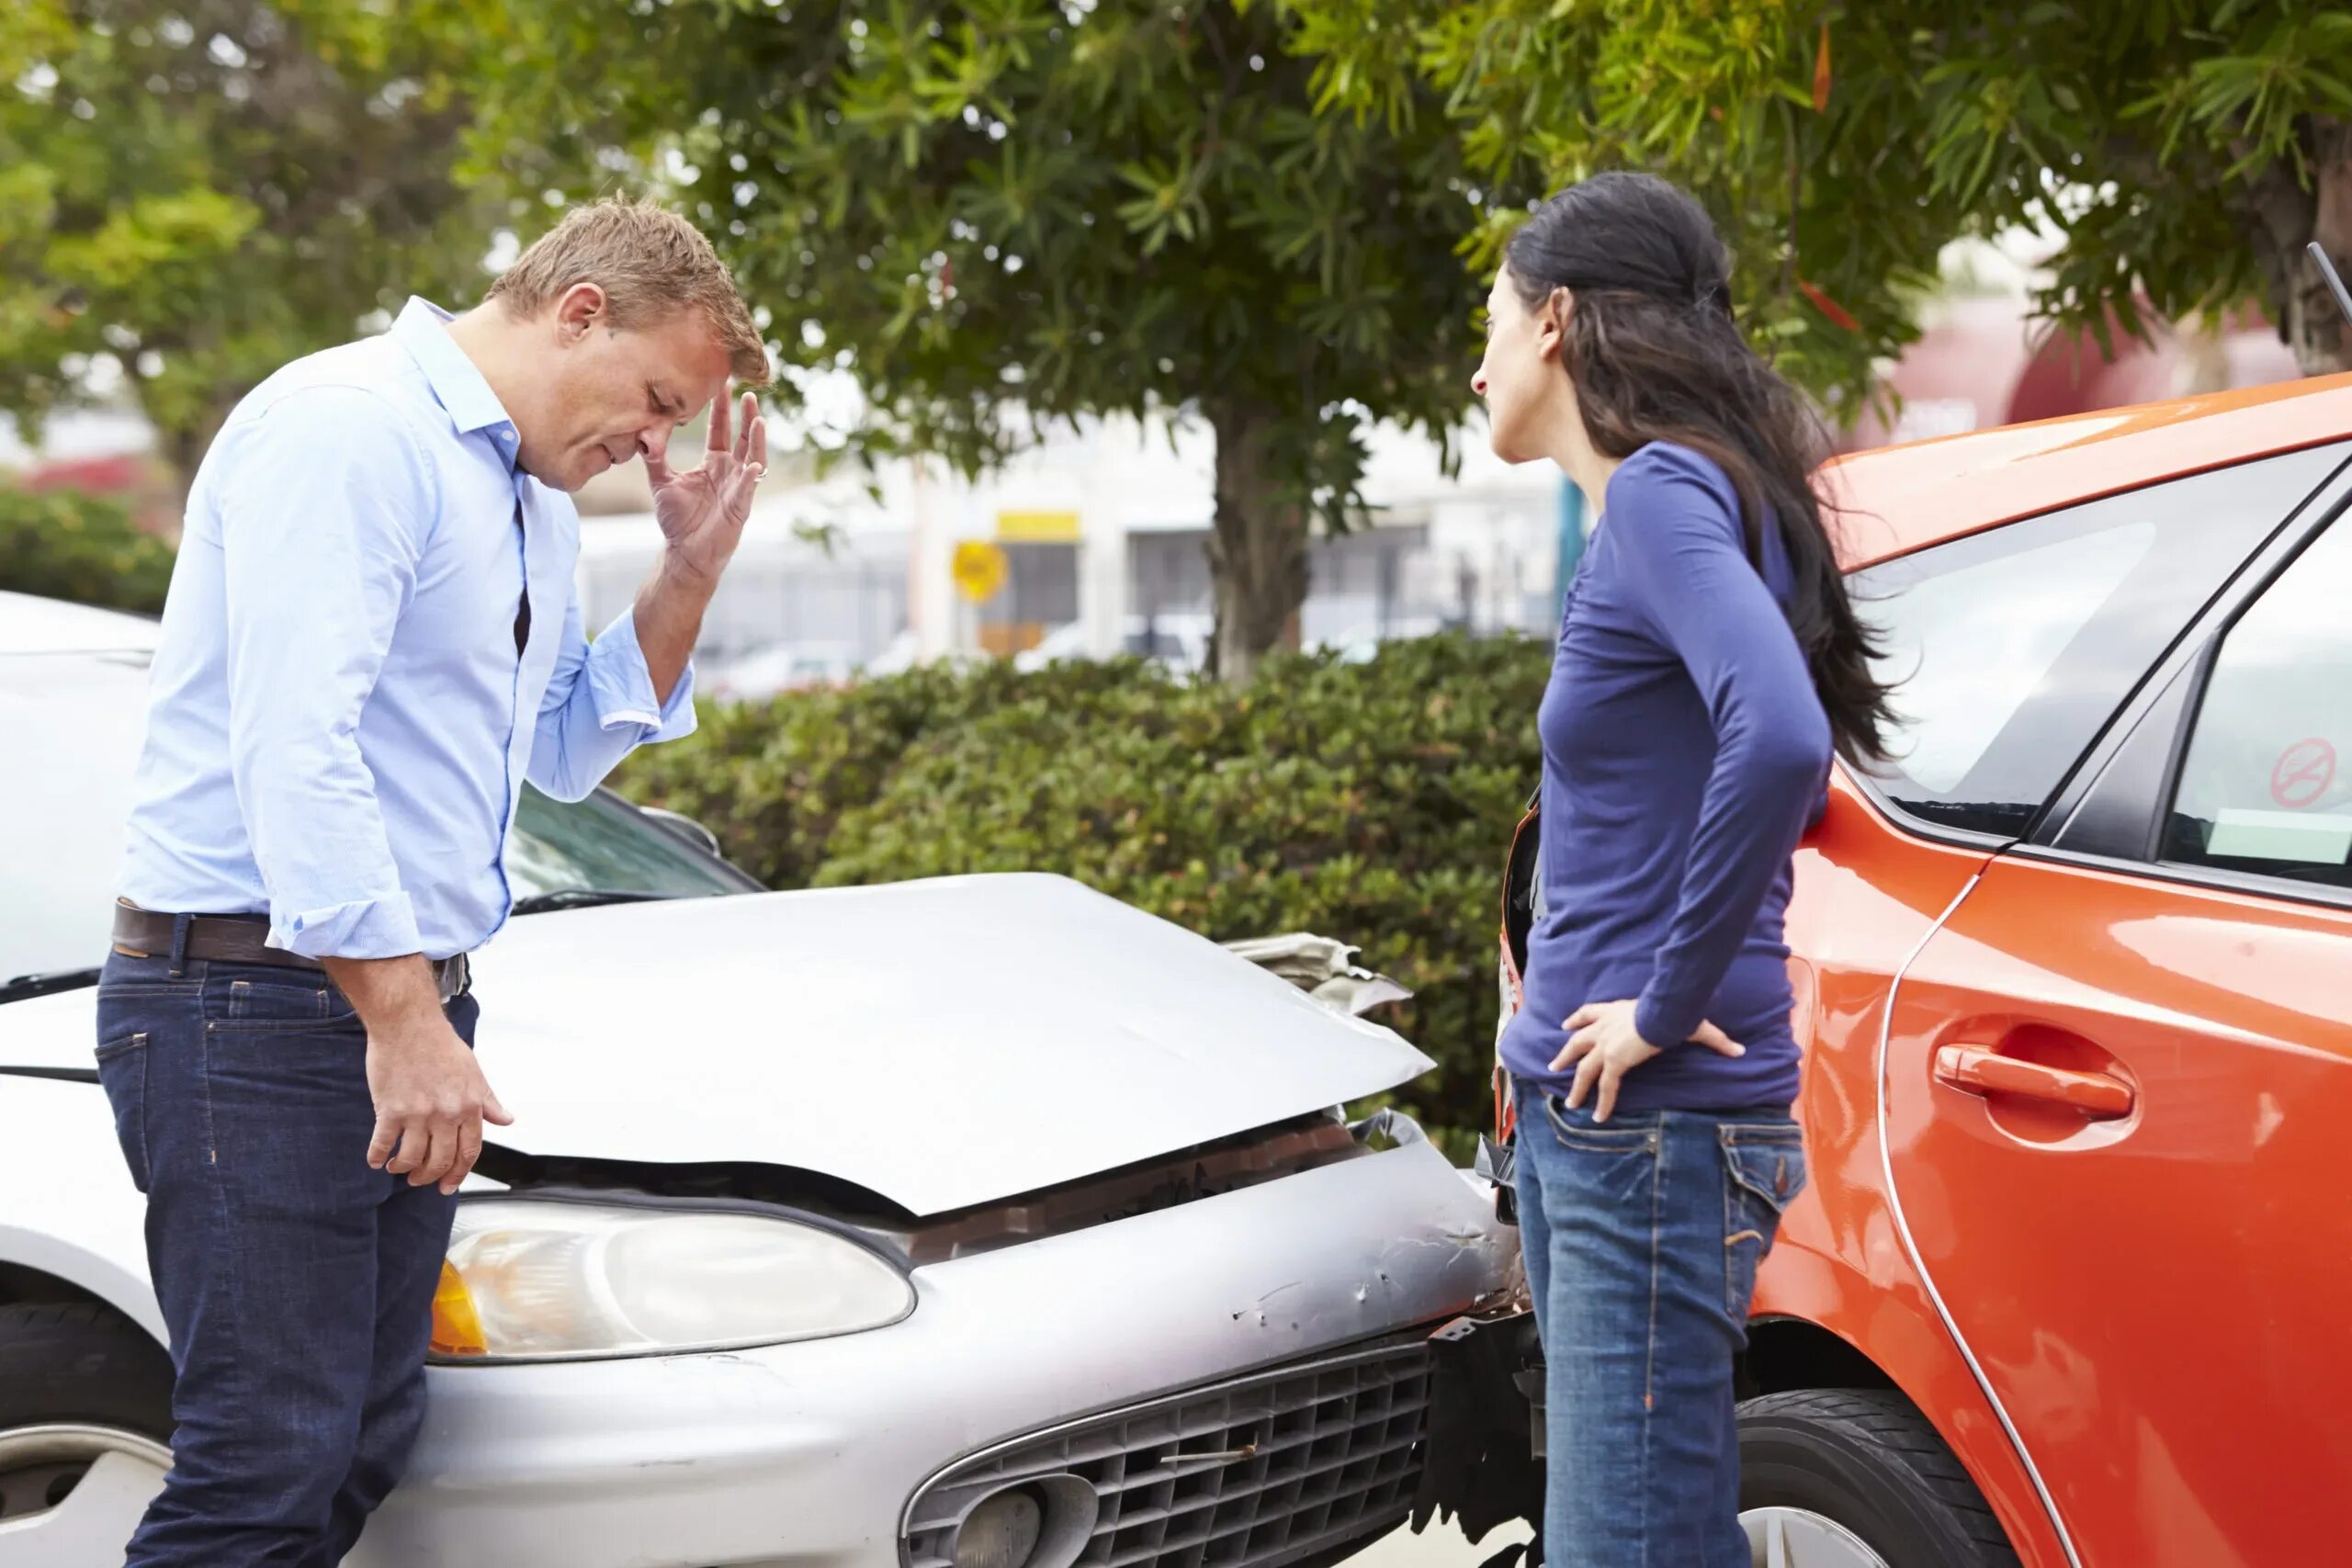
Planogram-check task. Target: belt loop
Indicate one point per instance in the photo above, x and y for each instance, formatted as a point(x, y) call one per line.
point(180, 924)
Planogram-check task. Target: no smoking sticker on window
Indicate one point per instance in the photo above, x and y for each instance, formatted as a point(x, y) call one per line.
point(2304, 773)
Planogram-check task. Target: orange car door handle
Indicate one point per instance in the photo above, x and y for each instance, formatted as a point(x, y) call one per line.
point(1980, 1071)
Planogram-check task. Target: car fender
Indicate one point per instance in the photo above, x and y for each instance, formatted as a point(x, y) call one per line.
point(71, 1209)
point(1885, 1317)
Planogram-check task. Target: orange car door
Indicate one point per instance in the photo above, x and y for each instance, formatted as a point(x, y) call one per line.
point(2116, 1095)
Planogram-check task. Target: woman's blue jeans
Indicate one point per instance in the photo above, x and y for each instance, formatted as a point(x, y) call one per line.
point(1642, 1238)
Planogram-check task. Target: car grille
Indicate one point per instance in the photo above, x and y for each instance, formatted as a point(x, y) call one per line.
point(1253, 1473)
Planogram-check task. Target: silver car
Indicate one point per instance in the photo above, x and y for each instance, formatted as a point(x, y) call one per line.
point(975, 1223)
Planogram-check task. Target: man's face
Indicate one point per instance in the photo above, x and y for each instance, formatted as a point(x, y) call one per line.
point(608, 395)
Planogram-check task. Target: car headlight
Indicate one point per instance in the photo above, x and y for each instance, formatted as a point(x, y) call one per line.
point(539, 1280)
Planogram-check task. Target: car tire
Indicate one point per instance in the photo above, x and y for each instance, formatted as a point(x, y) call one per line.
point(82, 1362)
point(1868, 1462)
point(78, 1381)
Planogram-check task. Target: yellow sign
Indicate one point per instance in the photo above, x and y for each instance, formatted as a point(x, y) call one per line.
point(978, 571)
point(1037, 527)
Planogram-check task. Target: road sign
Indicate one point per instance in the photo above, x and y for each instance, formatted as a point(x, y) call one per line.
point(978, 570)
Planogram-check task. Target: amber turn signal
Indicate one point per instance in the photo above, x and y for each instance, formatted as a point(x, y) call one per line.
point(456, 1326)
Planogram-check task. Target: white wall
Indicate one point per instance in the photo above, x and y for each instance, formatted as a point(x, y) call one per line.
point(1122, 479)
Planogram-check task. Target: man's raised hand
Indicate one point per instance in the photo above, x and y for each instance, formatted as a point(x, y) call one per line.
point(701, 510)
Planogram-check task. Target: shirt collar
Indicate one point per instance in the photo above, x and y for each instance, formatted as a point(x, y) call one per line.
point(421, 328)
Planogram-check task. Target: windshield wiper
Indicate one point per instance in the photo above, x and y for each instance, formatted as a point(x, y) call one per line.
point(46, 982)
point(583, 898)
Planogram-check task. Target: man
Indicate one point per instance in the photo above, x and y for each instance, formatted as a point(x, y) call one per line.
point(371, 641)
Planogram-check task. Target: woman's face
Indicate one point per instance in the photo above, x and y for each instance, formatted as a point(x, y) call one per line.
point(1527, 394)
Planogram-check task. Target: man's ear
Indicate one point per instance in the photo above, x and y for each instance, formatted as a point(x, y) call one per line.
point(581, 307)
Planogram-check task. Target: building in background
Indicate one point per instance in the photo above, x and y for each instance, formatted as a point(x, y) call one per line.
point(1983, 360)
point(1104, 533)
point(1098, 538)
point(1103, 536)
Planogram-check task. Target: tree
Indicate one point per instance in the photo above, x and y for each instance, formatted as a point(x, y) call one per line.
point(61, 544)
point(1001, 214)
point(204, 189)
point(2184, 151)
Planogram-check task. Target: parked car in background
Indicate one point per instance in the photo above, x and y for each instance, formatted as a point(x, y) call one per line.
point(2074, 974)
point(1358, 644)
point(1179, 641)
point(778, 667)
point(981, 1222)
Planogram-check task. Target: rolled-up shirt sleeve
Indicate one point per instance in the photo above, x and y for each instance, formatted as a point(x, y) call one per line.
point(600, 706)
point(321, 537)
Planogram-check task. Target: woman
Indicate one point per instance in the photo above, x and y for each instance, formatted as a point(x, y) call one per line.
point(1707, 663)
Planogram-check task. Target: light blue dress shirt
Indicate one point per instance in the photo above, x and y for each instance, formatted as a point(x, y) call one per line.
point(339, 725)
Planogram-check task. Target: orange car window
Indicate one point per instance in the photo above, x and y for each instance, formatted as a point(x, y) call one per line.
point(2267, 785)
point(2011, 648)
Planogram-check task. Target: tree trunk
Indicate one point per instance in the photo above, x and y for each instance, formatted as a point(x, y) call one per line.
point(2285, 217)
point(183, 446)
point(1257, 551)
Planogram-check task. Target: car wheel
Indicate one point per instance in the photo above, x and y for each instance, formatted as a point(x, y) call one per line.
point(86, 1410)
point(1858, 1478)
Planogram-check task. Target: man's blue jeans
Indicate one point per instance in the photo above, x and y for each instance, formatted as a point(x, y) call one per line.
point(1641, 1239)
point(296, 1282)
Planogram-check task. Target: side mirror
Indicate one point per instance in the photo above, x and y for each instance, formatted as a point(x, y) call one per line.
point(686, 827)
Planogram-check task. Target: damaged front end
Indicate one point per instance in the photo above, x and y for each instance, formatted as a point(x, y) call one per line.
point(1322, 967)
point(1483, 1464)
point(1486, 1415)
point(1352, 1289)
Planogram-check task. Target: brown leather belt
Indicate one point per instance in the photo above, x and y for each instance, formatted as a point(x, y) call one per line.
point(239, 938)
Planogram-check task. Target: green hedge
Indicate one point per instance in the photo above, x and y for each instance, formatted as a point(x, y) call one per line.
point(1371, 802)
point(64, 545)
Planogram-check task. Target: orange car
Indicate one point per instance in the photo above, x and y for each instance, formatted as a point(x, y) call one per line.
point(2074, 1278)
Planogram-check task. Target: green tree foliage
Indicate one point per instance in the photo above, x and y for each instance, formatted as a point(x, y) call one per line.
point(205, 189)
point(1369, 802)
point(63, 545)
point(1000, 214)
point(2186, 151)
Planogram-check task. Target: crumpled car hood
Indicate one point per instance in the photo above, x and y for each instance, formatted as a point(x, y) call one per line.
point(943, 1044)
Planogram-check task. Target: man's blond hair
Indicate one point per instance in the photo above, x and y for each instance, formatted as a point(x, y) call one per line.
point(651, 263)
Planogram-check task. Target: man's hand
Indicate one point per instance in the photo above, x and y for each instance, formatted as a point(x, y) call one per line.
point(430, 1100)
point(1604, 1046)
point(702, 511)
point(430, 1096)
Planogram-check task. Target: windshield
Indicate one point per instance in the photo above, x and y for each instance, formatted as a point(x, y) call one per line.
point(75, 719)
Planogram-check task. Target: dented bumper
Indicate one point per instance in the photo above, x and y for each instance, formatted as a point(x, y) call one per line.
point(809, 1453)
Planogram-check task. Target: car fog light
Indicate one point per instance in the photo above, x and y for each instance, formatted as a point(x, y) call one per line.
point(1000, 1533)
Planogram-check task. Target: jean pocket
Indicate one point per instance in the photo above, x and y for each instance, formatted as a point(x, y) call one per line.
point(1577, 1130)
point(1764, 1172)
point(122, 1073)
point(301, 1000)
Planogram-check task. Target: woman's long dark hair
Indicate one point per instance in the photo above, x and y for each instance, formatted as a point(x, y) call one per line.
point(1654, 356)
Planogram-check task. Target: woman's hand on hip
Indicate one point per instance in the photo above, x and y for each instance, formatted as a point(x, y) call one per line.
point(1603, 1046)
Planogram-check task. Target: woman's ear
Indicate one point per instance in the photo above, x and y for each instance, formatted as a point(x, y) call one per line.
point(1552, 330)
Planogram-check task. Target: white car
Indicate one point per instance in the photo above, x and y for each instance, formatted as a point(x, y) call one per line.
point(780, 667)
point(1359, 644)
point(1179, 641)
point(976, 1223)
